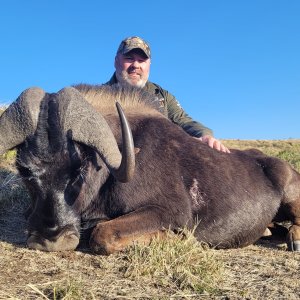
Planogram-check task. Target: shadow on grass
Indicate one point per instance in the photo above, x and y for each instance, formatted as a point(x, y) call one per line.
point(14, 201)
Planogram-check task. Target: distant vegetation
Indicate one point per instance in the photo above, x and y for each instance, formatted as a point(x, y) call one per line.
point(288, 150)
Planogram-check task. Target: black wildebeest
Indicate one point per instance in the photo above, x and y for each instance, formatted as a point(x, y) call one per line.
point(82, 172)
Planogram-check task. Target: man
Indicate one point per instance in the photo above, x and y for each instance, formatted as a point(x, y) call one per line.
point(132, 64)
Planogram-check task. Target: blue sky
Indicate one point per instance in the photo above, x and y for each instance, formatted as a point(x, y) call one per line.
point(233, 65)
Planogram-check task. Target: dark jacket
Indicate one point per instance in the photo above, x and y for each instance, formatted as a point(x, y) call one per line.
point(172, 109)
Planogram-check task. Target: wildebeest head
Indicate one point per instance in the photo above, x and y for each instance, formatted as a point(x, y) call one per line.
point(57, 142)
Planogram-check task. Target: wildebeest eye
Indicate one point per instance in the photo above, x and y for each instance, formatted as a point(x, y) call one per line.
point(74, 173)
point(73, 189)
point(76, 176)
point(25, 172)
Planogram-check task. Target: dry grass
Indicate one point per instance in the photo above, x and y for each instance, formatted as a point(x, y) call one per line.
point(288, 150)
point(177, 268)
point(179, 260)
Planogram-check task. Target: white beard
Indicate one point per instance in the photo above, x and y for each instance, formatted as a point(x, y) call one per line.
point(123, 79)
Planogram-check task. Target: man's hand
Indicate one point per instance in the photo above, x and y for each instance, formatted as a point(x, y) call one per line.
point(213, 143)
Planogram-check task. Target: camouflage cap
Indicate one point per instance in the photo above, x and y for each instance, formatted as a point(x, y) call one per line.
point(134, 42)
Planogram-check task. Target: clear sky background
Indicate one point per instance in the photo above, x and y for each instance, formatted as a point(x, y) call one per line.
point(233, 65)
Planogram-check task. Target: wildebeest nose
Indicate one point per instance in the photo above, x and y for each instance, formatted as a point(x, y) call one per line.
point(66, 239)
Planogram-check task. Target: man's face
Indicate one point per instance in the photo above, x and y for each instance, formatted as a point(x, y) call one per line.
point(132, 68)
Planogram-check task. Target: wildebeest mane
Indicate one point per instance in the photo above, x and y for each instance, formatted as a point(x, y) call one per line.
point(104, 97)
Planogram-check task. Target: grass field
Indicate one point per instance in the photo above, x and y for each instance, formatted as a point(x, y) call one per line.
point(177, 268)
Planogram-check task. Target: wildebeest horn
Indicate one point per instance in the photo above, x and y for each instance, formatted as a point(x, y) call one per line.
point(91, 129)
point(19, 120)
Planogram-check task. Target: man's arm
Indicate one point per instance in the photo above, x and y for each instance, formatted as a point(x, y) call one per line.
point(181, 118)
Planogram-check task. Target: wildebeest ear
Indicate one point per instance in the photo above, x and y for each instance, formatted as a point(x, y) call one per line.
point(20, 119)
point(90, 128)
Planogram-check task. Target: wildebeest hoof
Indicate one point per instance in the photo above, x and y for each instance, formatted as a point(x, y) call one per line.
point(267, 233)
point(294, 246)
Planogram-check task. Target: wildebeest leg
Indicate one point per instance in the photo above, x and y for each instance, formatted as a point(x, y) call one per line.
point(287, 182)
point(136, 227)
point(293, 209)
point(290, 207)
